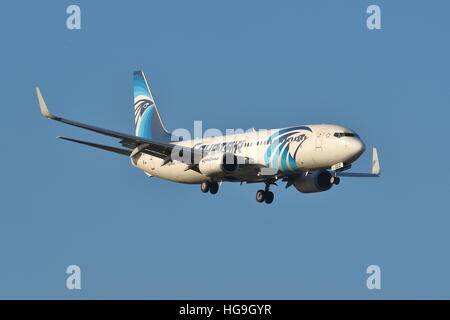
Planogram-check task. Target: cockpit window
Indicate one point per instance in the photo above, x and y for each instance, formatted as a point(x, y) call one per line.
point(345, 134)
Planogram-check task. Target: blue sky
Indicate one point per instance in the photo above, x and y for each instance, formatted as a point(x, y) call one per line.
point(231, 64)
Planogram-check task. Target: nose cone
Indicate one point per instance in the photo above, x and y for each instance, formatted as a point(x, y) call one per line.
point(354, 148)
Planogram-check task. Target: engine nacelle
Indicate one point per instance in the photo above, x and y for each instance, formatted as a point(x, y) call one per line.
point(316, 181)
point(217, 164)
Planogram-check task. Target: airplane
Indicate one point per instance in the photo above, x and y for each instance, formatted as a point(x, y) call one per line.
point(312, 158)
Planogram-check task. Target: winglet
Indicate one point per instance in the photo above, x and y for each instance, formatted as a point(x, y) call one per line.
point(43, 106)
point(375, 162)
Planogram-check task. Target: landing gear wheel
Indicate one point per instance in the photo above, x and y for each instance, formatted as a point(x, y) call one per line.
point(268, 197)
point(260, 195)
point(205, 186)
point(337, 180)
point(213, 187)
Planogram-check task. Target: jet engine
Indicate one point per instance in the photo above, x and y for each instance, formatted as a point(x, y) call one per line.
point(316, 181)
point(218, 164)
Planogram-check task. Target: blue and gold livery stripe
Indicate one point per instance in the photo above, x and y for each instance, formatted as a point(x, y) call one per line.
point(277, 154)
point(144, 107)
point(140, 86)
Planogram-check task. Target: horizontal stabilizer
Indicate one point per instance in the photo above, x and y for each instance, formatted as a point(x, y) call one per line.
point(99, 146)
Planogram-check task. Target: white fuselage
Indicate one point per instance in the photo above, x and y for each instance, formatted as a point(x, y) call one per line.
point(286, 150)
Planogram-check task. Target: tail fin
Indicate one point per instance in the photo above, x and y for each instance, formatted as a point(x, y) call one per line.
point(146, 116)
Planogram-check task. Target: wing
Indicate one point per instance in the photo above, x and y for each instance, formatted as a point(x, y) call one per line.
point(99, 146)
point(376, 171)
point(137, 144)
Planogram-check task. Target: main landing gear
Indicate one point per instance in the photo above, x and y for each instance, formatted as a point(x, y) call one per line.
point(264, 195)
point(210, 186)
